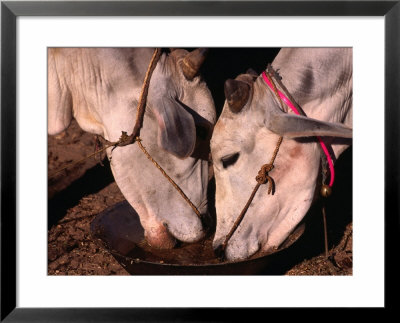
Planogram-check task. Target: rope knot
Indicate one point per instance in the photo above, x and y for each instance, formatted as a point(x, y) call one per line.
point(263, 177)
point(125, 139)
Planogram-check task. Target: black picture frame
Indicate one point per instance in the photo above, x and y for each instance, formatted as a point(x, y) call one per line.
point(10, 10)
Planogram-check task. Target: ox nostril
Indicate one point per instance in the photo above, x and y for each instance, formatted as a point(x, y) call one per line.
point(219, 252)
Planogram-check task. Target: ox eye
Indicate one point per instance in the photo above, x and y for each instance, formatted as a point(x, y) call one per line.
point(229, 160)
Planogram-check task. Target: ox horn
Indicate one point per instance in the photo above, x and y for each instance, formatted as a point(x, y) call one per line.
point(237, 94)
point(192, 62)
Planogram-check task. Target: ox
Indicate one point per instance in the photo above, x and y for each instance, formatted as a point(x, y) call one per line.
point(100, 88)
point(246, 134)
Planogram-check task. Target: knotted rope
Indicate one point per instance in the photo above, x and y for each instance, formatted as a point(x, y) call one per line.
point(261, 178)
point(126, 139)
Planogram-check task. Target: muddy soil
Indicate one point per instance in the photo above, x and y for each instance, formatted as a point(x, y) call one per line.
point(78, 194)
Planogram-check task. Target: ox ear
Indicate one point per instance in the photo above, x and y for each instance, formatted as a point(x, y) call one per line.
point(293, 126)
point(176, 128)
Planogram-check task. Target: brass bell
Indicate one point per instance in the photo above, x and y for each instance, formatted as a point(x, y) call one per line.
point(326, 190)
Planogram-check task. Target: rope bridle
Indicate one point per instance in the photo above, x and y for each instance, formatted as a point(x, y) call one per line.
point(126, 139)
point(270, 76)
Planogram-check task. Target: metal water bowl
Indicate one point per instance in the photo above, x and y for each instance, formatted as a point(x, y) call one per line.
point(118, 229)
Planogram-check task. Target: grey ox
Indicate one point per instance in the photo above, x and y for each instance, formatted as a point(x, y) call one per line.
point(246, 134)
point(100, 88)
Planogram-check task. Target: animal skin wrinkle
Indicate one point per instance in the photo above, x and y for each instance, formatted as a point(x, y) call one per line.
point(165, 68)
point(246, 231)
point(55, 51)
point(62, 115)
point(343, 81)
point(188, 173)
point(55, 69)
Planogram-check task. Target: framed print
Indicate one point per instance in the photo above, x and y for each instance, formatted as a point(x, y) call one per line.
point(34, 281)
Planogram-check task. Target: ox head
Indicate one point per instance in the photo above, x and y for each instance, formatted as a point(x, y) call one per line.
point(177, 128)
point(101, 87)
point(244, 139)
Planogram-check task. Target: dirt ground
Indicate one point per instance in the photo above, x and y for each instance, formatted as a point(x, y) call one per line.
point(77, 195)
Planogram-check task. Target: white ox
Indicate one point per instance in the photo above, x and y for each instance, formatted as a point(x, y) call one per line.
point(246, 134)
point(100, 88)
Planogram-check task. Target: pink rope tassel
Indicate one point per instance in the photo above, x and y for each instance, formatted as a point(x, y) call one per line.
point(321, 142)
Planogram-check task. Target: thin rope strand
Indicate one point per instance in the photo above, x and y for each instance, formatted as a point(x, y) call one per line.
point(261, 178)
point(240, 217)
point(138, 140)
point(79, 161)
point(144, 92)
point(325, 230)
